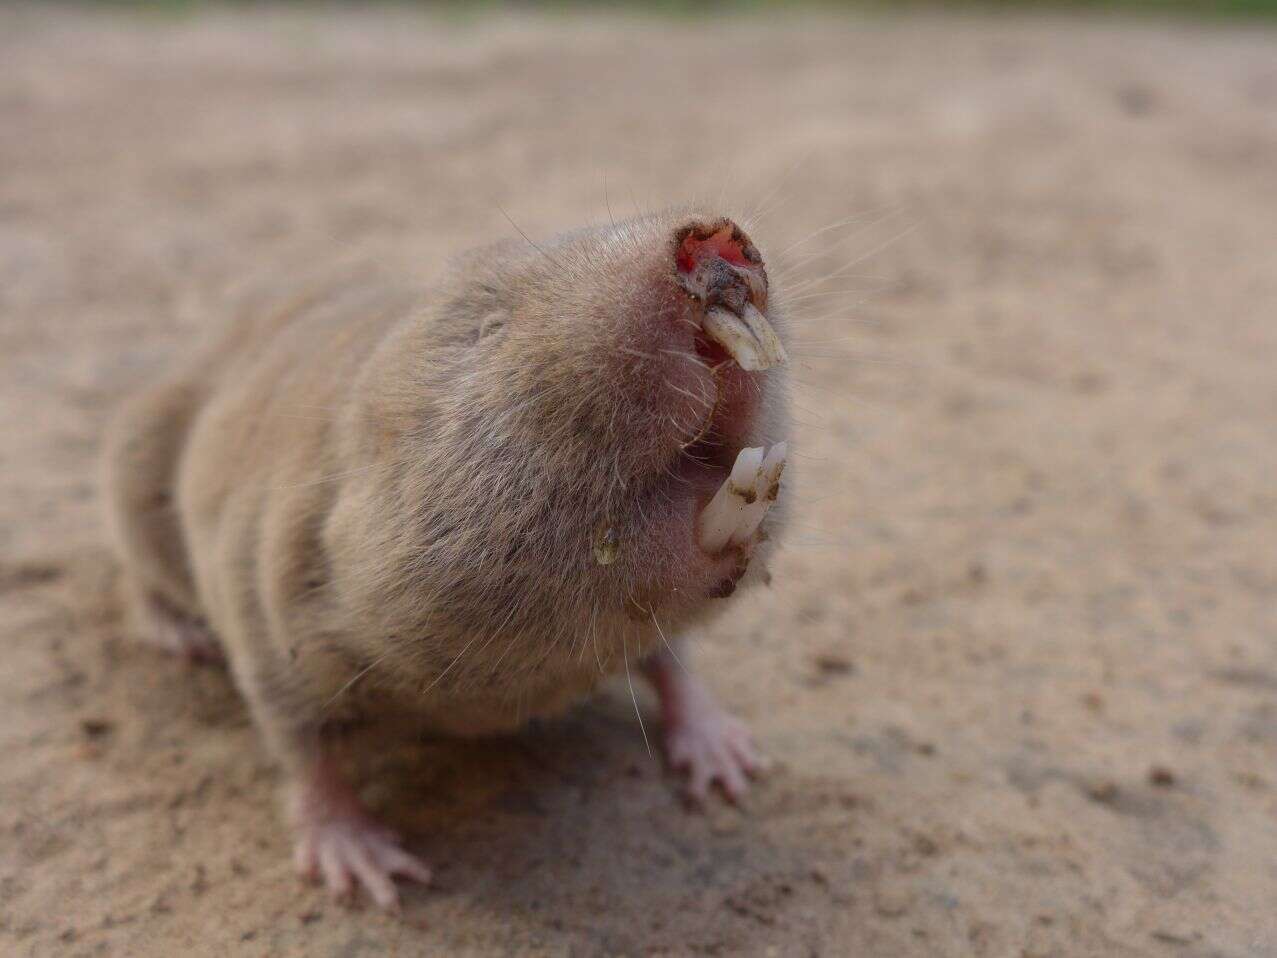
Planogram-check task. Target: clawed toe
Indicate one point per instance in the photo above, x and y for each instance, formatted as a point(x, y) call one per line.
point(356, 853)
point(717, 751)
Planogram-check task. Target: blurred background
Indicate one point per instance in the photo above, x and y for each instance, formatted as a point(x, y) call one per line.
point(1019, 659)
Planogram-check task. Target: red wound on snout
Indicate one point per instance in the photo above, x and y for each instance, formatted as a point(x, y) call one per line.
point(721, 244)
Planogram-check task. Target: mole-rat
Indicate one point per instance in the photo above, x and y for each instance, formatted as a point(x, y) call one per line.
point(469, 507)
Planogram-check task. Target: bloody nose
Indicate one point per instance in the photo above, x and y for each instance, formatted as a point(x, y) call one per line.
point(720, 266)
point(723, 271)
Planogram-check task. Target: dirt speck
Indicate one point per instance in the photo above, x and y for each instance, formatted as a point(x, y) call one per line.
point(96, 728)
point(1102, 791)
point(892, 898)
point(834, 664)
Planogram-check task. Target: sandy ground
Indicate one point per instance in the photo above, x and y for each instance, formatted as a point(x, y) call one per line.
point(1020, 659)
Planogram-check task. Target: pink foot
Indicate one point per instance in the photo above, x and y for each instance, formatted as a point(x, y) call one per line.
point(711, 746)
point(340, 842)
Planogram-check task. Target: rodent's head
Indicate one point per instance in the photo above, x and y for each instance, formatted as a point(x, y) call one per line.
point(591, 398)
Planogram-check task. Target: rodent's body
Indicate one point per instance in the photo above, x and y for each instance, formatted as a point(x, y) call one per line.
point(258, 490)
point(376, 500)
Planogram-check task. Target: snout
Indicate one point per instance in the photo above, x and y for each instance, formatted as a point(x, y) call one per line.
point(724, 274)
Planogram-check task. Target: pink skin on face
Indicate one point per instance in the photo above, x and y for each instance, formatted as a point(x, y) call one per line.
point(719, 244)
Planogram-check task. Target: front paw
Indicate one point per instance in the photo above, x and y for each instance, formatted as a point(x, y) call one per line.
point(353, 850)
point(714, 748)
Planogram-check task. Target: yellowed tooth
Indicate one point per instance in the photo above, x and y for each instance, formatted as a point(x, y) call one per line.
point(742, 501)
point(720, 519)
point(730, 332)
point(750, 340)
point(770, 349)
point(766, 487)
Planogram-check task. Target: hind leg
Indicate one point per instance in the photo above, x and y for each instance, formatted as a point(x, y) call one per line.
point(144, 446)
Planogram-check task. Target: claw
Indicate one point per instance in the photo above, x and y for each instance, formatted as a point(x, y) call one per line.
point(714, 749)
point(352, 853)
point(340, 841)
point(710, 746)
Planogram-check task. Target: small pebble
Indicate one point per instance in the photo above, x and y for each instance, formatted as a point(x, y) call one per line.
point(1103, 792)
point(96, 727)
point(892, 900)
point(831, 663)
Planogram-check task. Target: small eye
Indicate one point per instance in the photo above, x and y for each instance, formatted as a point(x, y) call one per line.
point(492, 323)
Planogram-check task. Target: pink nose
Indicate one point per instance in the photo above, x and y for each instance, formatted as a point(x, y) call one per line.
point(720, 266)
point(721, 244)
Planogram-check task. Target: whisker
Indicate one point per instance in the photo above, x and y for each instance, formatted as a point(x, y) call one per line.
point(821, 232)
point(763, 206)
point(358, 675)
point(525, 235)
point(448, 667)
point(895, 238)
point(788, 271)
point(826, 293)
point(634, 698)
point(661, 633)
point(607, 202)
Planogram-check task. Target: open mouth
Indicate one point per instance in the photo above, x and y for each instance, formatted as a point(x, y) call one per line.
point(724, 274)
point(749, 477)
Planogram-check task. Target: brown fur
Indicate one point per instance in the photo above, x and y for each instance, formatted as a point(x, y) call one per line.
point(360, 493)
